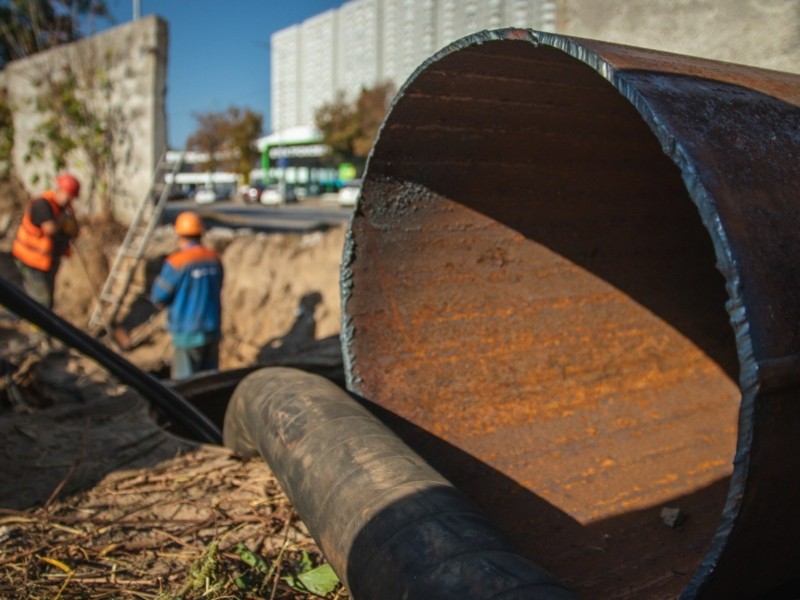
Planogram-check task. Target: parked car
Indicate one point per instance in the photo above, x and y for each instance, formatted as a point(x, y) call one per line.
point(177, 193)
point(225, 191)
point(300, 192)
point(253, 193)
point(291, 193)
point(205, 195)
point(273, 194)
point(348, 193)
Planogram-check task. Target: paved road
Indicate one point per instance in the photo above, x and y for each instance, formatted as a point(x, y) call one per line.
point(307, 215)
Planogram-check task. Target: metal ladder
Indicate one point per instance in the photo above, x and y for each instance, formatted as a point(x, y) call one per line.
point(133, 246)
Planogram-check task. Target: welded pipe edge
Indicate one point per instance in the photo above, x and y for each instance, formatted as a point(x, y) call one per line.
point(726, 264)
point(181, 412)
point(388, 523)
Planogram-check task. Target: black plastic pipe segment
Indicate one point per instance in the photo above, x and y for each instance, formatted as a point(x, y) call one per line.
point(390, 525)
point(185, 419)
point(571, 279)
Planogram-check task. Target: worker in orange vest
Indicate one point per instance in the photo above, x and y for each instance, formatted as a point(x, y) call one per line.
point(44, 236)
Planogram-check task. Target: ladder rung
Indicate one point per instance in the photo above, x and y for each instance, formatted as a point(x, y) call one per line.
point(138, 241)
point(137, 237)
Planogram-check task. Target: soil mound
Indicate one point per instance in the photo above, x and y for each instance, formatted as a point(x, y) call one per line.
point(96, 499)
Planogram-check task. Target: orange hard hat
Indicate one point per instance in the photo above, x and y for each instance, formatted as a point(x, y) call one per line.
point(189, 224)
point(69, 184)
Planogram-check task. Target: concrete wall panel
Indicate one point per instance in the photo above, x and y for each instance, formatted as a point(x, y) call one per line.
point(122, 77)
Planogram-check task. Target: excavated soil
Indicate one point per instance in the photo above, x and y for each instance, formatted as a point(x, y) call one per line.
point(97, 500)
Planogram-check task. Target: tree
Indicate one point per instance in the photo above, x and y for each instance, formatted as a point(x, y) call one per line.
point(228, 139)
point(338, 122)
point(371, 107)
point(30, 26)
point(246, 127)
point(350, 128)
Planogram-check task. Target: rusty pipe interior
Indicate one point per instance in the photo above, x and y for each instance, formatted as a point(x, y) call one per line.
point(534, 302)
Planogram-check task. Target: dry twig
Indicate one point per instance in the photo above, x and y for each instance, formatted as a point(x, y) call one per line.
point(137, 534)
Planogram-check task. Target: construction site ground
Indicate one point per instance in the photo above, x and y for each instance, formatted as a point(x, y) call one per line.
point(97, 498)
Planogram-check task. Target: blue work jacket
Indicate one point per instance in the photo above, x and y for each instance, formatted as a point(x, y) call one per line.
point(190, 283)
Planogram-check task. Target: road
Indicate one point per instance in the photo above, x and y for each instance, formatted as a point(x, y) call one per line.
point(307, 215)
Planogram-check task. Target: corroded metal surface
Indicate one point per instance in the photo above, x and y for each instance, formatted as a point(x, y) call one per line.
point(570, 283)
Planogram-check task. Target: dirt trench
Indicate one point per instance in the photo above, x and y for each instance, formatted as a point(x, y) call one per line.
point(97, 499)
point(280, 295)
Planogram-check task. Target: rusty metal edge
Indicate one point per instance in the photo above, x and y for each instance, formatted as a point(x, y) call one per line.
point(727, 265)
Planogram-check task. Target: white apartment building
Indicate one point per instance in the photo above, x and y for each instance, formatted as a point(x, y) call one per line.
point(365, 42)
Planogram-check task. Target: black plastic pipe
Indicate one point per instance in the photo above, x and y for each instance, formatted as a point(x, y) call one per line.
point(186, 419)
point(388, 523)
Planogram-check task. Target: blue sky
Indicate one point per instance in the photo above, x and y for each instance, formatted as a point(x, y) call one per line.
point(218, 52)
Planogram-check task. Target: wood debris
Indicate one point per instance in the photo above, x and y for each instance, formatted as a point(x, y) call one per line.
point(181, 528)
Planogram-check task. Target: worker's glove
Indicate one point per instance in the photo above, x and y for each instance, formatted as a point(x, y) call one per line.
point(69, 226)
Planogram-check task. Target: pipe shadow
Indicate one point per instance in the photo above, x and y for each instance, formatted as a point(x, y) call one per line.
point(300, 348)
point(75, 442)
point(301, 335)
point(605, 559)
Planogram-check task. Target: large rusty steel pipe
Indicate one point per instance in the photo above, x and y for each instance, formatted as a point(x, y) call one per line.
point(389, 525)
point(571, 283)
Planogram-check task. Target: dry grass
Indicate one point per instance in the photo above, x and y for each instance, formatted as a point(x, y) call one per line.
point(116, 517)
point(202, 525)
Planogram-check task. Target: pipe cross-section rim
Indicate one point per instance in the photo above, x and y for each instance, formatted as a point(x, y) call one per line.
point(571, 272)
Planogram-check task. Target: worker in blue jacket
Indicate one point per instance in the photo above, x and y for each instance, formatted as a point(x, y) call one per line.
point(190, 284)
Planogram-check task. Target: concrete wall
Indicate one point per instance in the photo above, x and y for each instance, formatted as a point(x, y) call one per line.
point(761, 33)
point(133, 59)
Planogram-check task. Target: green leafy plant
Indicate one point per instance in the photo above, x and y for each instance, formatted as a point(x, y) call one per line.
point(303, 575)
point(258, 567)
point(6, 134)
point(79, 123)
point(204, 574)
point(319, 580)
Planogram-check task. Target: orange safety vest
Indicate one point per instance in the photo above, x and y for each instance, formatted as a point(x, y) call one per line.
point(32, 246)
